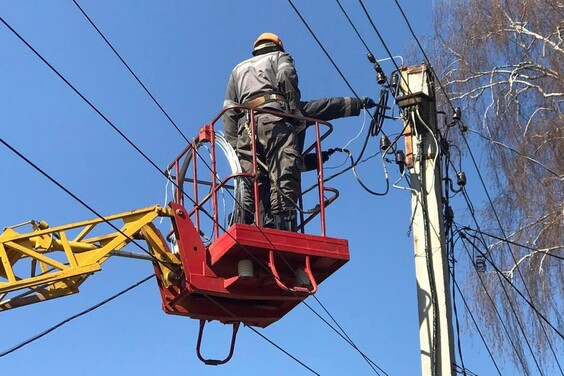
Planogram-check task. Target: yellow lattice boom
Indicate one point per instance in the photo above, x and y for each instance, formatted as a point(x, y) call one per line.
point(48, 263)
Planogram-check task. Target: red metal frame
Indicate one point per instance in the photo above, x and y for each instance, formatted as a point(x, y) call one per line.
point(210, 287)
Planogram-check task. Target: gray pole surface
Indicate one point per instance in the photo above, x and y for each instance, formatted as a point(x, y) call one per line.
point(431, 261)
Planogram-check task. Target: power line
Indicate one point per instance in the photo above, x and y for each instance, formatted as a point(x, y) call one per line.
point(500, 272)
point(107, 121)
point(378, 34)
point(483, 184)
point(284, 351)
point(75, 197)
point(374, 129)
point(511, 306)
point(498, 314)
point(354, 27)
point(424, 53)
point(82, 313)
point(514, 243)
point(476, 326)
point(323, 48)
point(515, 151)
point(348, 339)
point(496, 216)
point(130, 70)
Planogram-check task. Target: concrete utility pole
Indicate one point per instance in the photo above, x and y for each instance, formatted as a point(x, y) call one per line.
point(431, 262)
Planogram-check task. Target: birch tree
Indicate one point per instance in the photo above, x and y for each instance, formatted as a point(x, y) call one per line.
point(502, 62)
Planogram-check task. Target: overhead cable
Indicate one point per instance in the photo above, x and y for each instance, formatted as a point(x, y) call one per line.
point(130, 70)
point(103, 116)
point(481, 179)
point(82, 313)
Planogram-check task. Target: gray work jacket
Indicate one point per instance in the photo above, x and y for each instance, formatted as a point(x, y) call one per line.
point(272, 72)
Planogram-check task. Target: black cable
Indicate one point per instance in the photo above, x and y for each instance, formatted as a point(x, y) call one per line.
point(470, 206)
point(512, 242)
point(430, 266)
point(375, 120)
point(450, 243)
point(496, 216)
point(477, 327)
point(515, 151)
point(49, 330)
point(511, 306)
point(96, 110)
point(425, 55)
point(131, 71)
point(349, 340)
point(498, 314)
point(379, 35)
point(479, 174)
point(284, 351)
point(354, 27)
point(500, 272)
point(115, 128)
point(323, 48)
point(99, 113)
point(78, 199)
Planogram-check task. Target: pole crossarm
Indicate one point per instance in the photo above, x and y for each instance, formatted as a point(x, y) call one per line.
point(48, 263)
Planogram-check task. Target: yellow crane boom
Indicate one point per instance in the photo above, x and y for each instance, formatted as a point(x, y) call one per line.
point(48, 263)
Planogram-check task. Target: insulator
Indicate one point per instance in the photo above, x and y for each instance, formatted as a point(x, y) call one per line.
point(371, 57)
point(302, 278)
point(480, 263)
point(394, 82)
point(380, 77)
point(385, 142)
point(245, 269)
point(457, 115)
point(400, 160)
point(394, 79)
point(461, 179)
point(400, 157)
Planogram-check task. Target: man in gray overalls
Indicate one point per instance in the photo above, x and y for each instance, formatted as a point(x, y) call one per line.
point(268, 80)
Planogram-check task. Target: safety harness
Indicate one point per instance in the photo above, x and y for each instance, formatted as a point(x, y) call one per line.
point(265, 98)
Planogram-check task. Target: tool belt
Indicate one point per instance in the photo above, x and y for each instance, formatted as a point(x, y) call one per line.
point(265, 98)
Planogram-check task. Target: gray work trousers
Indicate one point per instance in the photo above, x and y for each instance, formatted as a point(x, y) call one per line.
point(277, 147)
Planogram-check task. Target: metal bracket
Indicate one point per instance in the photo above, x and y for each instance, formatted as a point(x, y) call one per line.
point(216, 362)
point(299, 289)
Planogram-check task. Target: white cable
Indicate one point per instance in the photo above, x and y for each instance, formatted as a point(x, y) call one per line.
point(359, 132)
point(234, 165)
point(168, 181)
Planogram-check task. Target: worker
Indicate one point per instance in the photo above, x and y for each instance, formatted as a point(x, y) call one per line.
point(268, 80)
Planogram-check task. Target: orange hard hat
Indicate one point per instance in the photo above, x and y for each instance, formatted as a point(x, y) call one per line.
point(269, 37)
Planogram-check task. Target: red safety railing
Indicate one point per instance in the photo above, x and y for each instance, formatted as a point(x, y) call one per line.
point(178, 172)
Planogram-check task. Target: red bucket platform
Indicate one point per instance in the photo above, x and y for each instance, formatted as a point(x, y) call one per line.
point(286, 269)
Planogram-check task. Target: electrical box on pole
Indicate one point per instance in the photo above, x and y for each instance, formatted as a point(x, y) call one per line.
point(431, 263)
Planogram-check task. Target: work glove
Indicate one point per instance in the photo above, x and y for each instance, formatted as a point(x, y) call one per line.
point(310, 160)
point(368, 102)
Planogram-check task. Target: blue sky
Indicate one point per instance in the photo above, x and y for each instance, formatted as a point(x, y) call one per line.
point(184, 52)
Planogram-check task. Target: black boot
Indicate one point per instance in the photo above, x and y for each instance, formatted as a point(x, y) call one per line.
point(286, 220)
